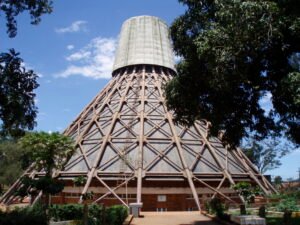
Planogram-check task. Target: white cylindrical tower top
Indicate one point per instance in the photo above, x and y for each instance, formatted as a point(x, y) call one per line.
point(144, 40)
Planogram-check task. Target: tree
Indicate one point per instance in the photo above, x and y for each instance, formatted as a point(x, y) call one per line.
point(11, 9)
point(49, 152)
point(17, 107)
point(278, 181)
point(265, 155)
point(235, 52)
point(248, 192)
point(12, 161)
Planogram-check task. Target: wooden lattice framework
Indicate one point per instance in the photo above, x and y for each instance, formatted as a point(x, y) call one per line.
point(126, 134)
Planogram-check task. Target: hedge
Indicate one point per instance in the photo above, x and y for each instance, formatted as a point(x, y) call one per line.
point(97, 215)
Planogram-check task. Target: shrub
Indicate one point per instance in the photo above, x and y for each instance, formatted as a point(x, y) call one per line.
point(66, 212)
point(23, 216)
point(114, 215)
point(288, 204)
point(217, 207)
point(207, 207)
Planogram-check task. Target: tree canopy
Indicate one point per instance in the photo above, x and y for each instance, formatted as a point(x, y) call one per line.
point(11, 9)
point(17, 107)
point(48, 151)
point(266, 154)
point(13, 162)
point(234, 54)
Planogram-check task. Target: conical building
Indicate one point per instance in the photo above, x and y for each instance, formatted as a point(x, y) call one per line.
point(130, 150)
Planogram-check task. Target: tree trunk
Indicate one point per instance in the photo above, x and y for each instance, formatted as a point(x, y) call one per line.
point(47, 196)
point(243, 209)
point(85, 214)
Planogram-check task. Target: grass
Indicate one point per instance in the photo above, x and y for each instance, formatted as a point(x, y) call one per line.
point(279, 221)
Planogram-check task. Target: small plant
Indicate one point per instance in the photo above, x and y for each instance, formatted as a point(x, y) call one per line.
point(217, 207)
point(88, 196)
point(97, 214)
point(248, 192)
point(207, 207)
point(79, 181)
point(288, 204)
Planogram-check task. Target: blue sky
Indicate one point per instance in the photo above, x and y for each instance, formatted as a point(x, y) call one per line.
point(72, 50)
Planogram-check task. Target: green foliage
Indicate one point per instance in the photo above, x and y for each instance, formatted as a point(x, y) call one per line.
point(12, 160)
point(79, 181)
point(278, 180)
point(216, 207)
point(24, 216)
point(279, 221)
point(286, 194)
point(234, 54)
point(11, 9)
point(17, 85)
point(66, 212)
point(266, 154)
point(48, 151)
point(46, 184)
point(247, 191)
point(287, 204)
point(88, 196)
point(114, 215)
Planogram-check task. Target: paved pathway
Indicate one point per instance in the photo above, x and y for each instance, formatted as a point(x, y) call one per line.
point(172, 218)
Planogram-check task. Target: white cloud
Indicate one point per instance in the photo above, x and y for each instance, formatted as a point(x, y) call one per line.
point(95, 60)
point(70, 47)
point(76, 26)
point(79, 56)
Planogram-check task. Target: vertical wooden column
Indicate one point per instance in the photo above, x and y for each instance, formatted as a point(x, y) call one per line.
point(186, 170)
point(141, 140)
point(92, 172)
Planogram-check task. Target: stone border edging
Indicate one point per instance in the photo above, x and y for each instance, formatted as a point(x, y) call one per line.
point(217, 219)
point(128, 220)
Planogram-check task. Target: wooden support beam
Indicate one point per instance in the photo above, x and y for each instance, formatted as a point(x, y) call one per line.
point(114, 189)
point(86, 109)
point(219, 186)
point(186, 170)
point(141, 142)
point(251, 174)
point(111, 191)
point(107, 137)
point(214, 189)
point(249, 163)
